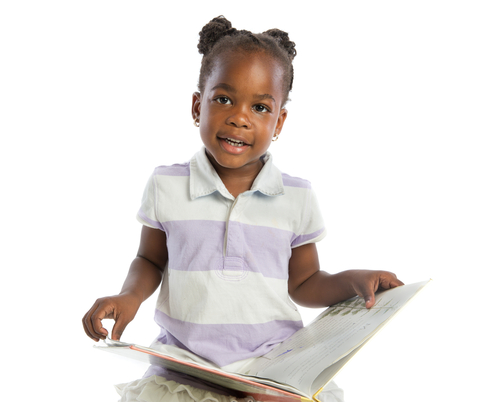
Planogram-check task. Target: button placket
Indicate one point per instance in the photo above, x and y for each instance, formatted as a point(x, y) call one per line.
point(233, 265)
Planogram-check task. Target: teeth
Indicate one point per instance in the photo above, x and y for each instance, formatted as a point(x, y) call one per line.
point(234, 143)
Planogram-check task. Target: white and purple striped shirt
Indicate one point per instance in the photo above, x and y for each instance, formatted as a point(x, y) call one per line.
point(224, 295)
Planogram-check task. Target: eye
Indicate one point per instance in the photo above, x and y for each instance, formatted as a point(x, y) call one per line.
point(261, 108)
point(223, 100)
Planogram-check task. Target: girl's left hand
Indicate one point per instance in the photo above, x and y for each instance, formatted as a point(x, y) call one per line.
point(365, 283)
point(311, 287)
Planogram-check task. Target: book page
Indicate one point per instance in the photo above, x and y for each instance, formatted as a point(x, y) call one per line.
point(302, 364)
point(328, 373)
point(261, 390)
point(340, 329)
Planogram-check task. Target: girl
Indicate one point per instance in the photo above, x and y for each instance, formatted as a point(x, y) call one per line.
point(228, 235)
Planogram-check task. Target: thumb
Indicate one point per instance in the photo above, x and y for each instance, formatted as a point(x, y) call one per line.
point(369, 300)
point(120, 325)
point(369, 297)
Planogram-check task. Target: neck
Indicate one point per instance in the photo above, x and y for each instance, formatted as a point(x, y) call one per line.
point(237, 180)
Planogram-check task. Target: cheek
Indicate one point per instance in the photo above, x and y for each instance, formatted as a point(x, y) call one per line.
point(271, 125)
point(205, 120)
point(204, 109)
point(203, 114)
point(209, 116)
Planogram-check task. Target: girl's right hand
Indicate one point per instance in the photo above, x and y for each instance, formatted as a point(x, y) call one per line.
point(121, 308)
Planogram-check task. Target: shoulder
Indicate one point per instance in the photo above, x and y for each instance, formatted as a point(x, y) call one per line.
point(291, 181)
point(177, 169)
point(169, 179)
point(284, 179)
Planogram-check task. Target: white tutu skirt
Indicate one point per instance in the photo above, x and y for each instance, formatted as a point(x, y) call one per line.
point(158, 389)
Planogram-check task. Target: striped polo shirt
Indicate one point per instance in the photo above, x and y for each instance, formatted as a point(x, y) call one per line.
point(224, 295)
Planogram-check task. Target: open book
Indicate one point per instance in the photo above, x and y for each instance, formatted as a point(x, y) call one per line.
point(299, 367)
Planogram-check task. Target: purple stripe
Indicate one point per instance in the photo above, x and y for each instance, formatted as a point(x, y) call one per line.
point(194, 245)
point(307, 237)
point(225, 343)
point(291, 181)
point(197, 245)
point(143, 216)
point(265, 249)
point(173, 170)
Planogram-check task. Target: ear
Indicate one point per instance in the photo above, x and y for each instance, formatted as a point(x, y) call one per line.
point(196, 106)
point(281, 121)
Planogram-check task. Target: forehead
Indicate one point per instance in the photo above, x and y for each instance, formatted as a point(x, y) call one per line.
point(254, 72)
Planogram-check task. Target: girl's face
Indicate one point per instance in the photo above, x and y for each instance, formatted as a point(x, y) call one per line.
point(240, 110)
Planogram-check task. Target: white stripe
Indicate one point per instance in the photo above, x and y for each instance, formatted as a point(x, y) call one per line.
point(252, 300)
point(285, 212)
point(176, 204)
point(280, 212)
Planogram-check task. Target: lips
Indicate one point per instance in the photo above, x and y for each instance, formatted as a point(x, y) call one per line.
point(233, 145)
point(235, 140)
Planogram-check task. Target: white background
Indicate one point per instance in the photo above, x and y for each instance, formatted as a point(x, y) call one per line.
point(394, 118)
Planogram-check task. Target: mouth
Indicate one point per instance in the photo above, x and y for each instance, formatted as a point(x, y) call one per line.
point(233, 146)
point(234, 143)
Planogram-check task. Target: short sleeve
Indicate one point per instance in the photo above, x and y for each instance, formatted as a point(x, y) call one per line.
point(147, 212)
point(313, 227)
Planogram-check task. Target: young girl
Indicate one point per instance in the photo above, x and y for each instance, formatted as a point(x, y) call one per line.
point(230, 237)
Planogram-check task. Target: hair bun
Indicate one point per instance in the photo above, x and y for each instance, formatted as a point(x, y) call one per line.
point(212, 32)
point(283, 40)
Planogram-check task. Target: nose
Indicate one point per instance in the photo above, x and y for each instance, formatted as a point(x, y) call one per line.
point(239, 118)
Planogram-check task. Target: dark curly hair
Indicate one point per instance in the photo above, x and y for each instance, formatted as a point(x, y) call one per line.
point(218, 36)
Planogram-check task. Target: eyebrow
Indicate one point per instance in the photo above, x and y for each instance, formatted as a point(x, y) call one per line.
point(229, 88)
point(265, 96)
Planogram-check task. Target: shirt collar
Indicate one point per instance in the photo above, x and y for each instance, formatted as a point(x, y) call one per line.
point(204, 179)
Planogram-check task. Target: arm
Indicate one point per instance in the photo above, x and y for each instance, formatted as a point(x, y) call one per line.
point(144, 277)
point(310, 287)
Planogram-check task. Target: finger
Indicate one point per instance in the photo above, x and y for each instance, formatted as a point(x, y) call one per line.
point(87, 323)
point(102, 312)
point(396, 282)
point(390, 281)
point(85, 328)
point(368, 294)
point(369, 299)
point(120, 325)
